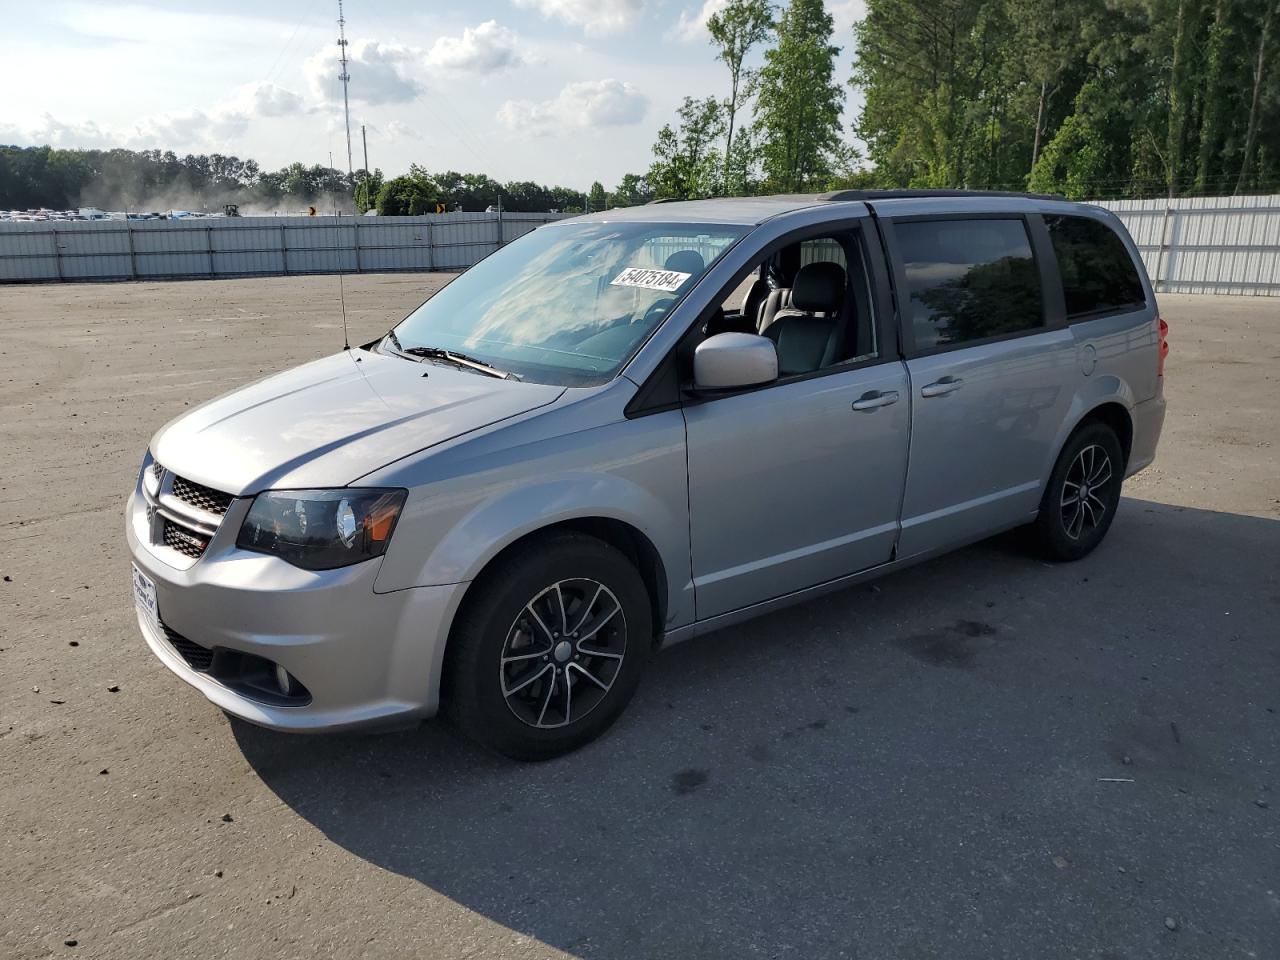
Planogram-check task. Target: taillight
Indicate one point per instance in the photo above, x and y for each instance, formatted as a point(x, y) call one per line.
point(1163, 329)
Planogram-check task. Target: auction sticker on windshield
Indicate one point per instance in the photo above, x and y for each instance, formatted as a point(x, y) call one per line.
point(666, 280)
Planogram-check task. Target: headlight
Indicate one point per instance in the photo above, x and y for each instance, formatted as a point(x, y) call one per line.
point(151, 472)
point(322, 529)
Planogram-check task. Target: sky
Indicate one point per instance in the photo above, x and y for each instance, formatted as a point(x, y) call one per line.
point(556, 91)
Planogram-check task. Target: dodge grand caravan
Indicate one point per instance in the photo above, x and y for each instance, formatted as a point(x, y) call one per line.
point(627, 429)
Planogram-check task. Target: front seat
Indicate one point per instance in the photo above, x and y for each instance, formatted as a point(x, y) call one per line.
point(682, 261)
point(686, 261)
point(778, 300)
point(808, 336)
point(752, 300)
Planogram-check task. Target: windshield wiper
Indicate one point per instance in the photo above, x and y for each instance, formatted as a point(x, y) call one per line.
point(450, 356)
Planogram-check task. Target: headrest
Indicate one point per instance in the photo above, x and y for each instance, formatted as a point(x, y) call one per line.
point(818, 287)
point(686, 261)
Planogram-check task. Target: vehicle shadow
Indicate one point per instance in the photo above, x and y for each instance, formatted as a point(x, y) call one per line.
point(906, 769)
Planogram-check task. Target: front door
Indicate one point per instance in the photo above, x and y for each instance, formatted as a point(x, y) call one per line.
point(795, 484)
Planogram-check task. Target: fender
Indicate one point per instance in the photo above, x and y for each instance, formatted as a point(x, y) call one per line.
point(1092, 393)
point(486, 494)
point(494, 525)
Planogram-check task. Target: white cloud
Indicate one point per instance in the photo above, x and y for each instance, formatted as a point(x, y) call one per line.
point(590, 103)
point(49, 131)
point(846, 13)
point(487, 48)
point(595, 17)
point(188, 128)
point(380, 72)
point(268, 100)
point(192, 128)
point(399, 130)
point(693, 27)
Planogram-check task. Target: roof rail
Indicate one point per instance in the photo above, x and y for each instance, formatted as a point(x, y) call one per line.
point(918, 194)
point(665, 200)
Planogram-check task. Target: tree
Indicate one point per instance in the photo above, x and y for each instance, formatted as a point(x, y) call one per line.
point(409, 196)
point(1046, 44)
point(798, 104)
point(734, 31)
point(1269, 13)
point(686, 165)
point(597, 199)
point(367, 190)
point(632, 191)
point(935, 110)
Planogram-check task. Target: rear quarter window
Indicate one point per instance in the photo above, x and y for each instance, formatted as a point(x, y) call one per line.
point(1098, 275)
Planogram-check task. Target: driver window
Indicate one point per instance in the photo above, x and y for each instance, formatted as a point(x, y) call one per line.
point(812, 298)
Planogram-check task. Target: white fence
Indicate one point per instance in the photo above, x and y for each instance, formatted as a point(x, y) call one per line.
point(1207, 244)
point(249, 246)
point(1196, 245)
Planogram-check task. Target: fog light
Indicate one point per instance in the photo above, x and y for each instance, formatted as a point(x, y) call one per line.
point(283, 680)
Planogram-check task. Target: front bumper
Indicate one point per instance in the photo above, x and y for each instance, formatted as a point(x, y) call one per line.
point(366, 658)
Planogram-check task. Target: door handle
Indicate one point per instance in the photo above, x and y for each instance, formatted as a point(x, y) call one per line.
point(873, 399)
point(940, 388)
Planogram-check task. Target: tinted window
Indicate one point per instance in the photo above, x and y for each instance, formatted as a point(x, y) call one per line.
point(1097, 272)
point(969, 279)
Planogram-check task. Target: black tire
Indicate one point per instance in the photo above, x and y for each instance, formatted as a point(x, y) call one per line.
point(502, 636)
point(1065, 528)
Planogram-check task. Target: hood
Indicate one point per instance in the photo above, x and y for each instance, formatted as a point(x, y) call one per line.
point(326, 423)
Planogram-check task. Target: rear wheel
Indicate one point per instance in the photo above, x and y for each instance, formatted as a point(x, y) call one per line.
point(549, 648)
point(1083, 493)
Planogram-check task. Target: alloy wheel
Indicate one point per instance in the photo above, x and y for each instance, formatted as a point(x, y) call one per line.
point(1084, 491)
point(563, 653)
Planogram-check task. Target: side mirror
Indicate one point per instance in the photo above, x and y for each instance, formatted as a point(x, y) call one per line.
point(730, 360)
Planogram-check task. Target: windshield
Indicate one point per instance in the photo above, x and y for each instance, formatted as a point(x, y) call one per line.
point(566, 304)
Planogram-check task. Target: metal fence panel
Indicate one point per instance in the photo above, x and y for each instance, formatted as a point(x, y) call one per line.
point(1194, 245)
point(249, 246)
point(1225, 245)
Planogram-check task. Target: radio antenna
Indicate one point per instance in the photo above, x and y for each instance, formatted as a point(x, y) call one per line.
point(342, 292)
point(346, 112)
point(342, 299)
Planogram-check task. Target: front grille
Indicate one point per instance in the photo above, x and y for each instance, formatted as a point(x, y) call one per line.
point(197, 657)
point(201, 497)
point(183, 540)
point(157, 471)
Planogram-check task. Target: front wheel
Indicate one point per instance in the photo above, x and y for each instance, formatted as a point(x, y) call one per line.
point(549, 649)
point(1083, 493)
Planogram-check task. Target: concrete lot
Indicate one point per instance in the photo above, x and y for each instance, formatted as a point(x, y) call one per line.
point(920, 768)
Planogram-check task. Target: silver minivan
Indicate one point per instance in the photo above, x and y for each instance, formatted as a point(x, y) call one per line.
point(627, 429)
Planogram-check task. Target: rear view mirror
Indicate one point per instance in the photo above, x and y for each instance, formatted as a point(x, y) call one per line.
point(730, 360)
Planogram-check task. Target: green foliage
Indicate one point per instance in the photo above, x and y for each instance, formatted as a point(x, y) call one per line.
point(1091, 98)
point(798, 103)
point(411, 195)
point(632, 191)
point(734, 30)
point(597, 199)
point(686, 163)
point(368, 186)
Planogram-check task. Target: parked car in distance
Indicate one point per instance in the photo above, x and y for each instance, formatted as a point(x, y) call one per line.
point(630, 428)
